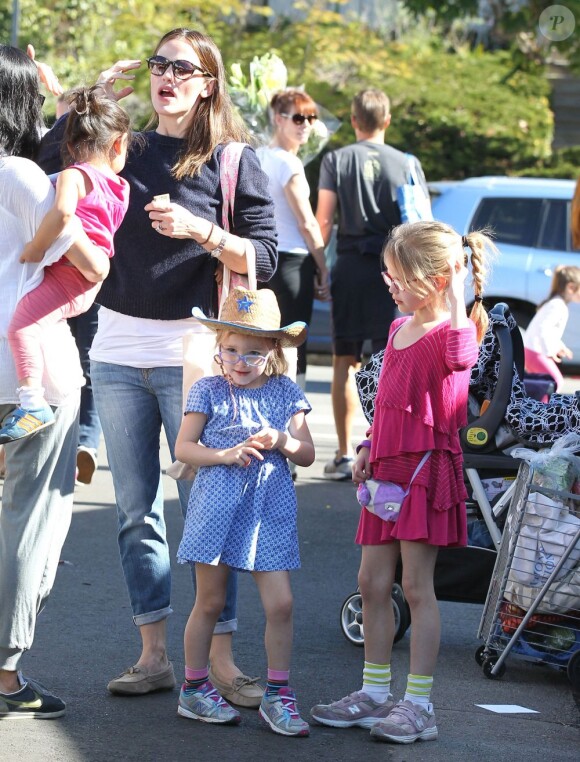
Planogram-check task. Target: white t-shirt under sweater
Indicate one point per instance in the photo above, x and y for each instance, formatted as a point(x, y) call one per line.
point(544, 333)
point(281, 166)
point(26, 195)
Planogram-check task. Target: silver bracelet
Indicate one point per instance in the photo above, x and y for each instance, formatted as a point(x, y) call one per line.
point(217, 252)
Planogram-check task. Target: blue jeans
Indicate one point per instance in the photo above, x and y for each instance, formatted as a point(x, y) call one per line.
point(83, 328)
point(133, 404)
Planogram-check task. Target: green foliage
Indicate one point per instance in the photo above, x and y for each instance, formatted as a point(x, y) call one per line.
point(463, 112)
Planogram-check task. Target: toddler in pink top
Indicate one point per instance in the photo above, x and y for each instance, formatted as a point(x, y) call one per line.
point(95, 148)
point(414, 443)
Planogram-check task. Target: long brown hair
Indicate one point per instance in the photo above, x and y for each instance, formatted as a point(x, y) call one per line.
point(216, 120)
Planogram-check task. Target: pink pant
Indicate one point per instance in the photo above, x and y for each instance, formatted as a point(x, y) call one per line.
point(537, 363)
point(63, 293)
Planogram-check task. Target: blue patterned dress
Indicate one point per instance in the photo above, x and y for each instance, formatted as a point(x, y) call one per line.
point(243, 517)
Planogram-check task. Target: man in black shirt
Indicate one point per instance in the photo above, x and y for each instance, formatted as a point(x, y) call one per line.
point(361, 181)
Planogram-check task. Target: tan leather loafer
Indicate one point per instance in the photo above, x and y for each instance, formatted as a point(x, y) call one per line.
point(136, 681)
point(242, 691)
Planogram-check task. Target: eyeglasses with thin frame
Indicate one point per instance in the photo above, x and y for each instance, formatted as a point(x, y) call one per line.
point(392, 282)
point(301, 118)
point(396, 284)
point(158, 65)
point(229, 357)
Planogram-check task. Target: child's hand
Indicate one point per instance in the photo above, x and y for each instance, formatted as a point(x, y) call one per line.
point(241, 455)
point(457, 276)
point(361, 469)
point(564, 352)
point(267, 439)
point(31, 254)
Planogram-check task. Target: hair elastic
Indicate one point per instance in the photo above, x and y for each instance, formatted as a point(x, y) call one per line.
point(478, 298)
point(464, 241)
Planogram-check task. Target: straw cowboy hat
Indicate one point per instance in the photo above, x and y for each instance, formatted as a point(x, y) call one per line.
point(255, 313)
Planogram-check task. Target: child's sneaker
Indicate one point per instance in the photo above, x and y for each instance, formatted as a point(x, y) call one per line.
point(339, 469)
point(279, 710)
point(206, 704)
point(357, 710)
point(407, 722)
point(22, 423)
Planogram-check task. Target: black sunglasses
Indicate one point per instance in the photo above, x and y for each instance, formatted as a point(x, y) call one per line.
point(158, 65)
point(301, 118)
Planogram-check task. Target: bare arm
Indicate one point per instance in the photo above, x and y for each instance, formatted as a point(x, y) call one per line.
point(89, 259)
point(68, 192)
point(327, 202)
point(296, 444)
point(297, 192)
point(188, 450)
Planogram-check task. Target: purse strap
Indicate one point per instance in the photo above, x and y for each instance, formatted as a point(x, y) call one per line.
point(412, 167)
point(229, 169)
point(420, 465)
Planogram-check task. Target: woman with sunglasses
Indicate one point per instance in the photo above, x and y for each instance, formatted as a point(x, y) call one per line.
point(302, 273)
point(167, 252)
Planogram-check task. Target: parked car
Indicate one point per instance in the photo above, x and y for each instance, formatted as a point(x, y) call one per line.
point(530, 222)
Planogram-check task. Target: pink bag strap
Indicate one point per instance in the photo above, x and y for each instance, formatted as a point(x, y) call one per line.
point(229, 169)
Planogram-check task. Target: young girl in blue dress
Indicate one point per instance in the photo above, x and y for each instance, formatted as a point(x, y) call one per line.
point(240, 429)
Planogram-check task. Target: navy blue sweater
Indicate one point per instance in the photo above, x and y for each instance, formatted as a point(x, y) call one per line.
point(153, 276)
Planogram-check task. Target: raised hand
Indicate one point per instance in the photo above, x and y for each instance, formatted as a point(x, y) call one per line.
point(45, 72)
point(107, 78)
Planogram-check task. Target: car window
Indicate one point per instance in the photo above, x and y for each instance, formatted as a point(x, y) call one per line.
point(554, 231)
point(512, 220)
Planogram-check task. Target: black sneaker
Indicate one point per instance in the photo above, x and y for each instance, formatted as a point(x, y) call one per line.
point(31, 702)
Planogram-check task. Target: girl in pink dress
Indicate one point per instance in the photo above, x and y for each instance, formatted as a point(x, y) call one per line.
point(95, 148)
point(421, 403)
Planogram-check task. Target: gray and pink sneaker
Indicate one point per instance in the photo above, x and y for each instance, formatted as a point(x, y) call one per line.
point(357, 710)
point(406, 723)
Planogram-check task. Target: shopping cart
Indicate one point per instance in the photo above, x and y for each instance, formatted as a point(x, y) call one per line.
point(533, 604)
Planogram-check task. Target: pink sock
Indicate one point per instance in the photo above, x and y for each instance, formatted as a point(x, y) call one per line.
point(278, 675)
point(196, 674)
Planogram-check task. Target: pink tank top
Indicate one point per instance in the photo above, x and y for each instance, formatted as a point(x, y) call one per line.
point(102, 210)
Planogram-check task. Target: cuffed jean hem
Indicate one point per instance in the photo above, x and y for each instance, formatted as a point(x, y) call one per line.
point(152, 616)
point(223, 628)
point(10, 659)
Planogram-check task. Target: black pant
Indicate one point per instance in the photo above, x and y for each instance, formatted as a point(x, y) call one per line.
point(293, 284)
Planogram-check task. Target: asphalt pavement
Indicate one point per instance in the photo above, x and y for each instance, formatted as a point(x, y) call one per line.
point(86, 636)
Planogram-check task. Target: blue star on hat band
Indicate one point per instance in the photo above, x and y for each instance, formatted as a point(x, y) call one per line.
point(244, 304)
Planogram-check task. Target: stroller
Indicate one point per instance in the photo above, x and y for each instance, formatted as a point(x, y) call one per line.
point(506, 409)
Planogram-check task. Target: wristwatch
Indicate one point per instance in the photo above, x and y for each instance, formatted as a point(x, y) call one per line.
point(217, 252)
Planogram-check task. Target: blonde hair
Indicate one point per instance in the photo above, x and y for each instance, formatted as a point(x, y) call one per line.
point(421, 252)
point(216, 120)
point(276, 364)
point(563, 276)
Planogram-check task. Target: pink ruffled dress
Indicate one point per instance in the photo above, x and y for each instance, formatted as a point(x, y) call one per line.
point(421, 404)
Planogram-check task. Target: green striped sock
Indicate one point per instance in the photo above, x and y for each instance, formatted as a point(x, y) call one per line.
point(418, 689)
point(377, 681)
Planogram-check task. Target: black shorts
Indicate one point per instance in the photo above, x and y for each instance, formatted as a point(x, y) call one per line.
point(347, 347)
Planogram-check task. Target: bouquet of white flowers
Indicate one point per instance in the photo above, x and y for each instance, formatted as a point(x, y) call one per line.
point(251, 96)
